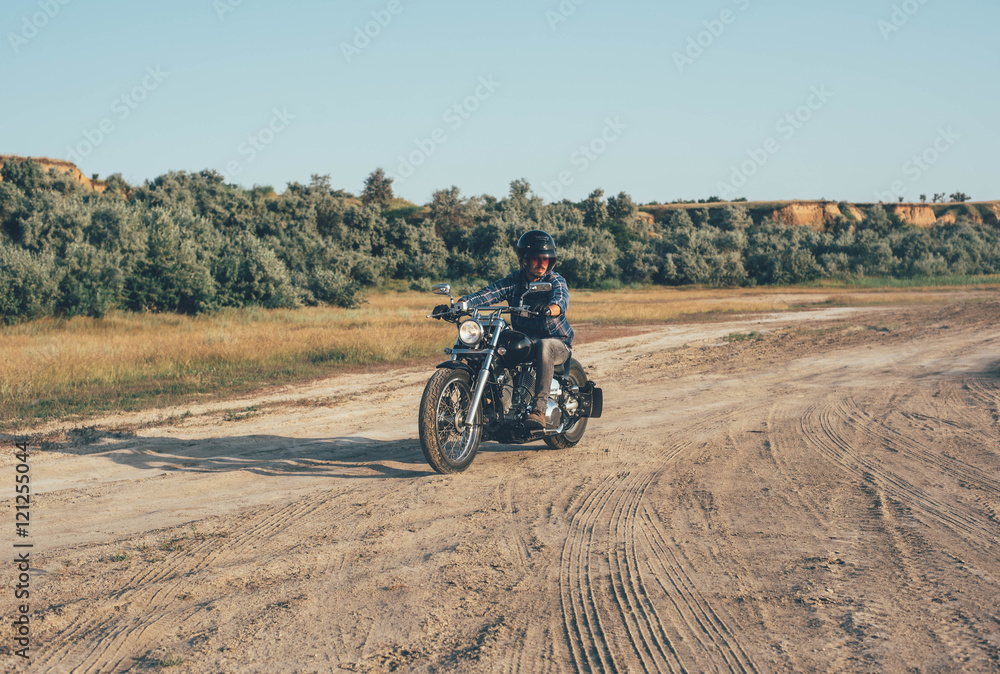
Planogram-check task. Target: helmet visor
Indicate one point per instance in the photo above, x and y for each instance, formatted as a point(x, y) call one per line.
point(539, 263)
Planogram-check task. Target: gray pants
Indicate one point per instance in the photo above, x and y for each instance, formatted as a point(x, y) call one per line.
point(551, 352)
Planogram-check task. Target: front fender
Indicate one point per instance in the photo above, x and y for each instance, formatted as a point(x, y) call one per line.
point(457, 365)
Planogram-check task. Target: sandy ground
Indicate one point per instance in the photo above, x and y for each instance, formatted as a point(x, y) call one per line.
point(824, 496)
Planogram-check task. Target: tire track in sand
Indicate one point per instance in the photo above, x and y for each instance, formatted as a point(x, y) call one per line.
point(100, 642)
point(709, 628)
point(922, 582)
point(624, 594)
point(852, 415)
point(985, 391)
point(820, 429)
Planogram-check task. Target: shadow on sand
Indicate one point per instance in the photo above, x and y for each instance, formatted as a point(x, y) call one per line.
point(272, 455)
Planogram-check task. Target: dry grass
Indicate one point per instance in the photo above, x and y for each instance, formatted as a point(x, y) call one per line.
point(660, 305)
point(656, 305)
point(54, 368)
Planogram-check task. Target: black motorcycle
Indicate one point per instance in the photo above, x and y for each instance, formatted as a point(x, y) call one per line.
point(485, 391)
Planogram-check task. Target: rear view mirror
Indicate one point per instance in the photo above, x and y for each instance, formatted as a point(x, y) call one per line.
point(539, 287)
point(441, 289)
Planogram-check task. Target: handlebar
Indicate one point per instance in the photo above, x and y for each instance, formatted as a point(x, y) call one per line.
point(452, 315)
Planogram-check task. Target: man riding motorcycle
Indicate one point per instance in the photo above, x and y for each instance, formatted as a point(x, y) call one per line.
point(550, 332)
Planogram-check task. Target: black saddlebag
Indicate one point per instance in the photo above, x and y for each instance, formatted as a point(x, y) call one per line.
point(591, 401)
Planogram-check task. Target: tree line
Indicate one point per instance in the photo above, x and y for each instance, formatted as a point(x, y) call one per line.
point(190, 243)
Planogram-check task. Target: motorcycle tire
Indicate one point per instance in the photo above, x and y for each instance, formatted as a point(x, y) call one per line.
point(572, 435)
point(444, 405)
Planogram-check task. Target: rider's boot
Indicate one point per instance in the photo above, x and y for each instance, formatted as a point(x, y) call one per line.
point(536, 419)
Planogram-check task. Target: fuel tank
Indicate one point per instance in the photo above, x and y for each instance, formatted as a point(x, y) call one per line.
point(516, 346)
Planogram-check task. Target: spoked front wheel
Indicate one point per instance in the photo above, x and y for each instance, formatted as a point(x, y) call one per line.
point(449, 435)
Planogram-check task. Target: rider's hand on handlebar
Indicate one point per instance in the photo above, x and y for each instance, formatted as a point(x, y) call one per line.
point(541, 309)
point(440, 310)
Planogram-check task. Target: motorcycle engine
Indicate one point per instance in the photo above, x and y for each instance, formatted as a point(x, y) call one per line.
point(518, 388)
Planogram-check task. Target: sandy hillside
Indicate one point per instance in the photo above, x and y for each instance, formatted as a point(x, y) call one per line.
point(821, 496)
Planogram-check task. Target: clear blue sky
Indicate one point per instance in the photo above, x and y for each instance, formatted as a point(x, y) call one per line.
point(185, 85)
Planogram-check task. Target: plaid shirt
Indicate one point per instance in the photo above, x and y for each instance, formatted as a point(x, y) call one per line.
point(510, 288)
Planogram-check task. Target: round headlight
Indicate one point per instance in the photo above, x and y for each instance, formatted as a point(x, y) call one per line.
point(470, 332)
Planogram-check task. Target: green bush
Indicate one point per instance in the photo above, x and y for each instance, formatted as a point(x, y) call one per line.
point(254, 276)
point(175, 272)
point(334, 288)
point(188, 242)
point(90, 281)
point(28, 284)
point(27, 175)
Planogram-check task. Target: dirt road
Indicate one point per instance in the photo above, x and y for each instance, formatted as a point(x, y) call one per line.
point(817, 491)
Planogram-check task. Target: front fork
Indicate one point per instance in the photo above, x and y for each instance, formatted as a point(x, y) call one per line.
point(484, 375)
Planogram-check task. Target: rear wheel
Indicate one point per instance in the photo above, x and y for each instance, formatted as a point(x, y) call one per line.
point(449, 443)
point(572, 435)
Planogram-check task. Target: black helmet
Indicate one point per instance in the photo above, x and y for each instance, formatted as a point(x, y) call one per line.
point(536, 243)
